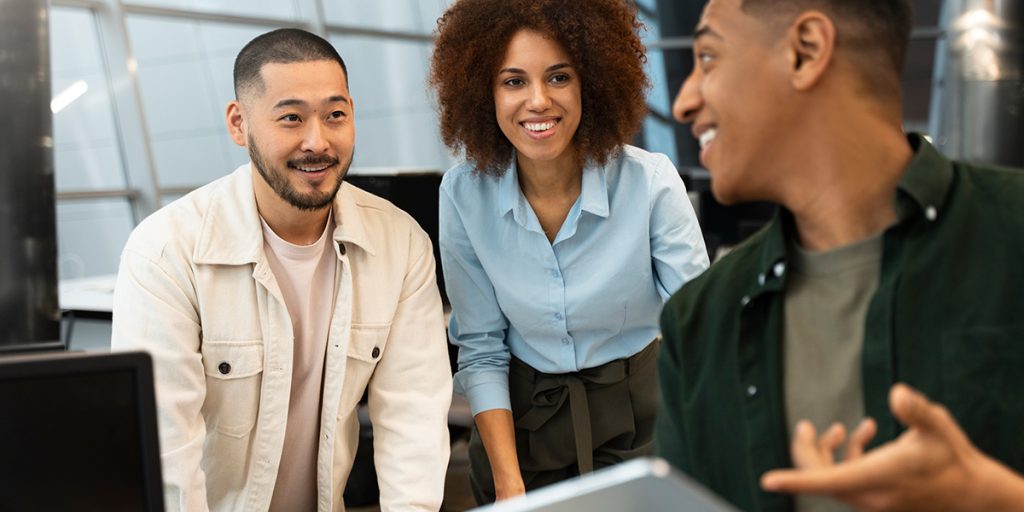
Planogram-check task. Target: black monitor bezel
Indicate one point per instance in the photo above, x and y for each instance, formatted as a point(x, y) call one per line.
point(140, 364)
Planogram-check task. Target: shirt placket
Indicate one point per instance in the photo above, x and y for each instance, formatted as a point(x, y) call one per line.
point(557, 312)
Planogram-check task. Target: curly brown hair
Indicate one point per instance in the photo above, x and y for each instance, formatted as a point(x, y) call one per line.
point(600, 36)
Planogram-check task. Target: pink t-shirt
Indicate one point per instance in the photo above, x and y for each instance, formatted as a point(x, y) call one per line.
point(305, 275)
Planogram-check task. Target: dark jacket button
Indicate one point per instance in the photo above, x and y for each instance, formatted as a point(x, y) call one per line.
point(341, 248)
point(224, 368)
point(376, 352)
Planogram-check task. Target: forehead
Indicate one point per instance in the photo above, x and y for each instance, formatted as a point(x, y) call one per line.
point(313, 78)
point(726, 18)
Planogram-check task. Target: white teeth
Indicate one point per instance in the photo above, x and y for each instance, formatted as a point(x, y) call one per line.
point(539, 127)
point(707, 137)
point(312, 169)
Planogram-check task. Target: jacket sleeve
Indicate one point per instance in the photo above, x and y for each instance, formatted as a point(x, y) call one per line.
point(156, 313)
point(410, 393)
point(677, 244)
point(669, 430)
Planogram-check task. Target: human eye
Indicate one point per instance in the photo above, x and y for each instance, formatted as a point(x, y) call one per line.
point(513, 82)
point(290, 118)
point(560, 78)
point(337, 114)
point(704, 58)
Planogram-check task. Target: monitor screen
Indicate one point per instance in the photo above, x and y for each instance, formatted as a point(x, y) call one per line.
point(78, 432)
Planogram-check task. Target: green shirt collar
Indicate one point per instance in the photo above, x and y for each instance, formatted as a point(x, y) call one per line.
point(921, 192)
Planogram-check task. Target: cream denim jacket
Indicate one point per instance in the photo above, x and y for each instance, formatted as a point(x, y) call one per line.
point(195, 290)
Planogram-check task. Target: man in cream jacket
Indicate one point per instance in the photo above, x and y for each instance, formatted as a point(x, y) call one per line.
point(272, 298)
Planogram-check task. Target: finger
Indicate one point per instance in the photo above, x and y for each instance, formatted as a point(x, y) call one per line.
point(830, 441)
point(804, 449)
point(860, 438)
point(914, 410)
point(860, 475)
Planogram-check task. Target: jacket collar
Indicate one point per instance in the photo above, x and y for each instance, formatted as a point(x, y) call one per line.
point(593, 192)
point(922, 191)
point(231, 233)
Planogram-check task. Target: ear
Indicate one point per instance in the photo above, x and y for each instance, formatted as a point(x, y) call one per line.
point(811, 39)
point(235, 122)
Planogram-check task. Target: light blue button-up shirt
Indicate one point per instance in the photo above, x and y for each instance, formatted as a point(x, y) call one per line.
point(593, 296)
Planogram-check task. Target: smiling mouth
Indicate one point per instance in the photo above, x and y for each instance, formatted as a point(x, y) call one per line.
point(312, 167)
point(540, 127)
point(707, 137)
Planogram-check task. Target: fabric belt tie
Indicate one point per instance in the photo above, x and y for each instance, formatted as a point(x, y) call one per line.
point(551, 391)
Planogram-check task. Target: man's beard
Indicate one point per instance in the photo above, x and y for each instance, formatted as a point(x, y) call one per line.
point(278, 178)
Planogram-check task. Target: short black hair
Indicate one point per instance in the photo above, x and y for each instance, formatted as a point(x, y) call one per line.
point(868, 27)
point(281, 46)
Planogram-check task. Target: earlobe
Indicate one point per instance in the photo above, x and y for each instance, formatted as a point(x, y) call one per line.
point(811, 41)
point(235, 122)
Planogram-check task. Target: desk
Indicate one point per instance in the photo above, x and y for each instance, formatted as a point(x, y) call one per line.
point(88, 297)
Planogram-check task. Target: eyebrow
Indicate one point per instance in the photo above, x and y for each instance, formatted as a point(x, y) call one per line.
point(553, 67)
point(705, 31)
point(296, 102)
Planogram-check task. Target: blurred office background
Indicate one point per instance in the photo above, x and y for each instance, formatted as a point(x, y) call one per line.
point(139, 88)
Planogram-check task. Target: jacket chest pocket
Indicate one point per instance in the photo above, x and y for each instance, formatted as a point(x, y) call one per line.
point(365, 349)
point(234, 373)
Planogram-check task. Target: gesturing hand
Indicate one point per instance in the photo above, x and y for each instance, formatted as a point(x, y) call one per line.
point(931, 466)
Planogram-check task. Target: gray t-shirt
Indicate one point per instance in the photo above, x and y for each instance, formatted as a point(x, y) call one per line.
point(826, 305)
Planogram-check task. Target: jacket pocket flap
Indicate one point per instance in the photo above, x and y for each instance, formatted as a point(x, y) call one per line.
point(367, 341)
point(233, 359)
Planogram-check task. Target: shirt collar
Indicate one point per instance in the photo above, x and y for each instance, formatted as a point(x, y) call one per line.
point(231, 232)
point(593, 193)
point(922, 190)
point(926, 182)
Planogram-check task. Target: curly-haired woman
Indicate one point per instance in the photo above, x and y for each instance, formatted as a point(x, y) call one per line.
point(559, 241)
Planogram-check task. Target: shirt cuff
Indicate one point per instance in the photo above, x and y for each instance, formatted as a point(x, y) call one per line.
point(487, 391)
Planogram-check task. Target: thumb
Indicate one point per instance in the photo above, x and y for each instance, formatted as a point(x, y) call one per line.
point(915, 411)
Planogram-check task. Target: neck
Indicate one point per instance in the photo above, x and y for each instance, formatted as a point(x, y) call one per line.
point(847, 178)
point(299, 227)
point(551, 178)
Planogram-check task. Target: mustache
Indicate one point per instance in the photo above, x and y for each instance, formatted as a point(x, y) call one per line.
point(310, 161)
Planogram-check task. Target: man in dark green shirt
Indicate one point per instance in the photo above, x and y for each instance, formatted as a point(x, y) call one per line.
point(798, 102)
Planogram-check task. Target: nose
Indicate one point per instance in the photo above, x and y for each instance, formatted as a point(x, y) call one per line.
point(314, 140)
point(539, 100)
point(689, 100)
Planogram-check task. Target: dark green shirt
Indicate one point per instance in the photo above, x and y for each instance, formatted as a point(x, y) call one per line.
point(947, 318)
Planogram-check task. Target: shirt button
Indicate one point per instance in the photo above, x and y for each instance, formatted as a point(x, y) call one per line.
point(224, 368)
point(554, 273)
point(760, 279)
point(558, 316)
point(779, 269)
point(745, 300)
point(931, 213)
point(565, 341)
point(751, 390)
point(375, 353)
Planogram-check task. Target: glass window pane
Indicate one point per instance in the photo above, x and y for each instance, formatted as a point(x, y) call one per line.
point(418, 16)
point(90, 236)
point(396, 121)
point(87, 154)
point(257, 8)
point(185, 88)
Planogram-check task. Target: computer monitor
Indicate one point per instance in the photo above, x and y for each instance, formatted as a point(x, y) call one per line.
point(641, 484)
point(78, 432)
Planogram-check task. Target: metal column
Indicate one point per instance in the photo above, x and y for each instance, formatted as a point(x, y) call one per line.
point(977, 111)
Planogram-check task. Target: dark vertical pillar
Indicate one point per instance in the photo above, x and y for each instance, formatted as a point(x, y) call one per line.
point(28, 248)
